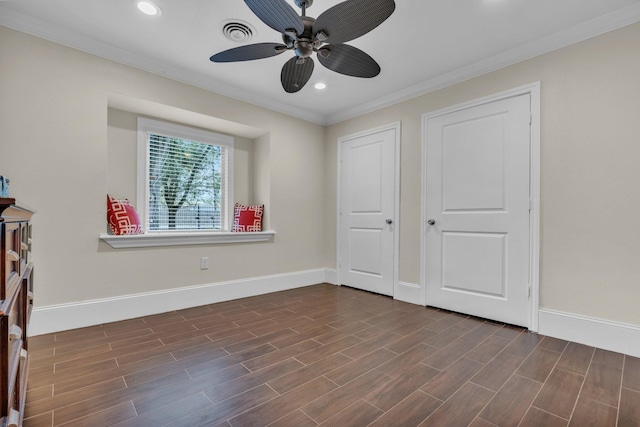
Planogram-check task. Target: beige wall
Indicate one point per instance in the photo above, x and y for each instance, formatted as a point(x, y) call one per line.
point(590, 178)
point(54, 147)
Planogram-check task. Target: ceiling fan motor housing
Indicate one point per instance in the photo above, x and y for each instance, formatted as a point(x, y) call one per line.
point(305, 43)
point(303, 49)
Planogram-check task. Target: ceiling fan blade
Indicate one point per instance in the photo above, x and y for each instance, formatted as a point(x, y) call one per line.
point(249, 52)
point(348, 60)
point(277, 14)
point(296, 73)
point(352, 18)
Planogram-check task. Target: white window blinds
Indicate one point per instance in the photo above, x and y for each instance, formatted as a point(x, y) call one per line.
point(186, 177)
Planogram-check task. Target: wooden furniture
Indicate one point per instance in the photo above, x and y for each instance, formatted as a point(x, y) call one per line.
point(16, 302)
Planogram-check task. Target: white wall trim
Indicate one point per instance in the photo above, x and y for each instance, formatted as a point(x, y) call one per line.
point(609, 22)
point(604, 334)
point(533, 90)
point(152, 240)
point(534, 214)
point(567, 37)
point(608, 335)
point(332, 276)
point(408, 292)
point(64, 317)
point(57, 34)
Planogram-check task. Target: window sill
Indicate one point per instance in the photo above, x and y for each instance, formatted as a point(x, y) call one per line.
point(184, 238)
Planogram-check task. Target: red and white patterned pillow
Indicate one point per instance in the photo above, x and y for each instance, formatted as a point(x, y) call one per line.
point(122, 217)
point(247, 218)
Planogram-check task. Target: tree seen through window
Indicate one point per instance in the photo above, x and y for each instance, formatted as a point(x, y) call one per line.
point(185, 182)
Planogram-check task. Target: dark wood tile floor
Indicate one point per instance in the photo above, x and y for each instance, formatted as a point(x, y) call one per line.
point(324, 355)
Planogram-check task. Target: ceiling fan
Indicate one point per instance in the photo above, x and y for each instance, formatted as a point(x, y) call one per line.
point(305, 35)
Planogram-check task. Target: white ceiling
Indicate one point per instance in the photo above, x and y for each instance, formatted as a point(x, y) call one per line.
point(423, 46)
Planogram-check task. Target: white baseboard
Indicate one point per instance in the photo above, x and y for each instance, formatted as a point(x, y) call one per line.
point(64, 317)
point(403, 291)
point(618, 337)
point(408, 292)
point(332, 276)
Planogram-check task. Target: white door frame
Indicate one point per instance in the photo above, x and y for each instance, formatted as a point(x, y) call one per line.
point(533, 90)
point(396, 126)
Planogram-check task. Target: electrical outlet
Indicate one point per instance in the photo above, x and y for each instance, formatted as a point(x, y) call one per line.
point(204, 263)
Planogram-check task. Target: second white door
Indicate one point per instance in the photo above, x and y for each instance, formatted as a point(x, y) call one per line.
point(367, 211)
point(478, 210)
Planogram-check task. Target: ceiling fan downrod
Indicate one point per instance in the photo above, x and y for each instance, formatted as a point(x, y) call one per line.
point(303, 4)
point(307, 43)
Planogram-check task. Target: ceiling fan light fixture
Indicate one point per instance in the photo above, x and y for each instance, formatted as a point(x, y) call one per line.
point(322, 36)
point(320, 86)
point(149, 8)
point(324, 52)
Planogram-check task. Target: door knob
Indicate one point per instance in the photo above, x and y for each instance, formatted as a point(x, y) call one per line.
point(389, 221)
point(431, 222)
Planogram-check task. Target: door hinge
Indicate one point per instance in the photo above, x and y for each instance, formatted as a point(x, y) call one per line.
point(530, 118)
point(530, 204)
point(529, 292)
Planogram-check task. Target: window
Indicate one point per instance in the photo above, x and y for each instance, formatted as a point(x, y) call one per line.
point(185, 178)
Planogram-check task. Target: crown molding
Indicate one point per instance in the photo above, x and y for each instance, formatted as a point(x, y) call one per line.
point(578, 33)
point(595, 27)
point(45, 30)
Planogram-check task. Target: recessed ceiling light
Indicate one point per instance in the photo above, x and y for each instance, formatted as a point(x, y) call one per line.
point(320, 86)
point(149, 8)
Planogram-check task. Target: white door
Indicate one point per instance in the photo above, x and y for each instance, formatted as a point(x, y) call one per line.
point(477, 210)
point(367, 211)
